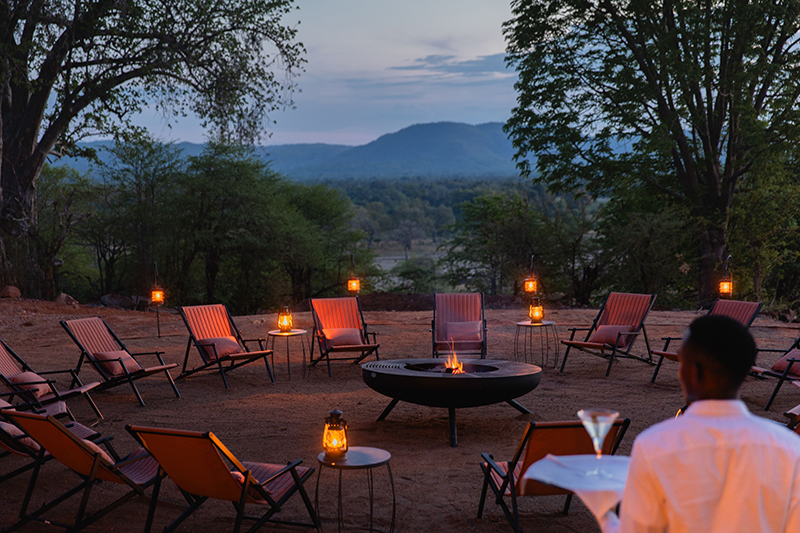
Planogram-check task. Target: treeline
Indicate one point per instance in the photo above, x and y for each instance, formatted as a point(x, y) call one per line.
point(221, 226)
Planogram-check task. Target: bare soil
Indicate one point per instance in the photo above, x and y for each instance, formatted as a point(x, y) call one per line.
point(438, 487)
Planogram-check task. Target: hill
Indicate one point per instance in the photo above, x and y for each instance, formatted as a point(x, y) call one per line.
point(435, 150)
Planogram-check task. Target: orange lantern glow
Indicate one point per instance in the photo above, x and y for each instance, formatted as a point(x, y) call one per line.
point(531, 284)
point(536, 311)
point(334, 439)
point(353, 284)
point(726, 283)
point(285, 321)
point(157, 296)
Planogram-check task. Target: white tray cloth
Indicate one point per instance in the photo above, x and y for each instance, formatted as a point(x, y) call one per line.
point(600, 493)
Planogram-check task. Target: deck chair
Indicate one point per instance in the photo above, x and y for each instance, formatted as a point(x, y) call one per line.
point(459, 324)
point(137, 471)
point(204, 468)
point(615, 329)
point(744, 312)
point(540, 439)
point(783, 369)
point(14, 441)
point(32, 388)
point(339, 327)
point(110, 358)
point(219, 342)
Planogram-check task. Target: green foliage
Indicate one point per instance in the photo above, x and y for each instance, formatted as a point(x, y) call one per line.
point(680, 98)
point(416, 275)
point(221, 226)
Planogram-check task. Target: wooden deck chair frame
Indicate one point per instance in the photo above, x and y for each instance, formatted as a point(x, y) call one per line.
point(16, 444)
point(326, 348)
point(607, 350)
point(10, 361)
point(168, 446)
point(137, 471)
point(441, 345)
point(782, 377)
point(224, 363)
point(745, 313)
point(111, 340)
point(504, 482)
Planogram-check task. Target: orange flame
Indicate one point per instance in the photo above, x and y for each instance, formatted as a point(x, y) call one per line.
point(453, 362)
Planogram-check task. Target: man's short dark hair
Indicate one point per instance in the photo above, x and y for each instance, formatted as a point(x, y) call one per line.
point(726, 343)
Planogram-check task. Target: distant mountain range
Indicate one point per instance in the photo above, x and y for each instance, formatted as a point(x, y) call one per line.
point(441, 149)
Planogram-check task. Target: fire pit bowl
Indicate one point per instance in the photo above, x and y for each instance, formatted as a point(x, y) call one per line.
point(427, 382)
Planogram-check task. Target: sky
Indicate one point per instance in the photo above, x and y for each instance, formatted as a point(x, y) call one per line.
point(377, 66)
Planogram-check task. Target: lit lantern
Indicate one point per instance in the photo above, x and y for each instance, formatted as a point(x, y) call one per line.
point(726, 283)
point(157, 296)
point(531, 284)
point(536, 312)
point(285, 322)
point(353, 284)
point(334, 439)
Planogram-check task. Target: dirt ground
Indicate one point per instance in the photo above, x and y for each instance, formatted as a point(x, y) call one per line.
point(437, 486)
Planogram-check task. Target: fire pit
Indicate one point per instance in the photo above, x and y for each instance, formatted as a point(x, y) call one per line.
point(429, 382)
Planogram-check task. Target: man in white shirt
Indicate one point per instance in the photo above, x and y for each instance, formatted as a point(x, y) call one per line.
point(717, 468)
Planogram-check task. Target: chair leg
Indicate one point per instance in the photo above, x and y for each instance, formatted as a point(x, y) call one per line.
point(194, 505)
point(269, 370)
point(172, 384)
point(151, 512)
point(658, 367)
point(564, 360)
point(774, 393)
point(484, 490)
point(610, 362)
point(566, 504)
point(136, 391)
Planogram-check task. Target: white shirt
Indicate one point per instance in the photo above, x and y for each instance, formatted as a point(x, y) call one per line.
point(716, 469)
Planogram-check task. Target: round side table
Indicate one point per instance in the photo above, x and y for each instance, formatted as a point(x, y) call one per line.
point(544, 328)
point(358, 458)
point(301, 333)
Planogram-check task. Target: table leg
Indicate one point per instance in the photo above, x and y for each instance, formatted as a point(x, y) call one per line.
point(288, 364)
point(394, 498)
point(516, 344)
point(371, 491)
point(316, 499)
point(339, 510)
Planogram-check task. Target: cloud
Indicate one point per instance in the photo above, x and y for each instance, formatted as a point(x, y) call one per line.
point(448, 64)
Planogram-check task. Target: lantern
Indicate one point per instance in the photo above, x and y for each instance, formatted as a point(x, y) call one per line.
point(531, 284)
point(726, 283)
point(285, 322)
point(334, 439)
point(353, 284)
point(157, 296)
point(536, 312)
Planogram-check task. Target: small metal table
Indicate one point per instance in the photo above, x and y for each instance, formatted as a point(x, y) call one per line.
point(358, 458)
point(544, 328)
point(292, 333)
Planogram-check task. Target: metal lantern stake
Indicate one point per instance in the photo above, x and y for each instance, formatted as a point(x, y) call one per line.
point(353, 284)
point(157, 297)
point(726, 283)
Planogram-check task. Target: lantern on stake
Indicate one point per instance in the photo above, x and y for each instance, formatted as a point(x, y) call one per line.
point(531, 284)
point(157, 297)
point(285, 321)
point(334, 439)
point(353, 284)
point(726, 283)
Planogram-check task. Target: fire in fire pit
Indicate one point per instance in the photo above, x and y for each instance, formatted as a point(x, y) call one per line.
point(428, 382)
point(452, 365)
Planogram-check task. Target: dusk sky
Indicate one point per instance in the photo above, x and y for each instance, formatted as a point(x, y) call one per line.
point(376, 66)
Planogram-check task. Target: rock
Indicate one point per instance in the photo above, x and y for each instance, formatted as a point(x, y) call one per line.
point(9, 291)
point(66, 299)
point(117, 300)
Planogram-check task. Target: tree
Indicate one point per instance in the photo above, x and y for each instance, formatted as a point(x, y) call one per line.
point(69, 69)
point(679, 97)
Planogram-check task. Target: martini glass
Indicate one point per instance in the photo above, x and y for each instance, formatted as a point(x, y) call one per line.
point(597, 423)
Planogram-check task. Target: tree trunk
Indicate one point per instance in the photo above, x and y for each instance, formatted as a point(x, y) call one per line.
point(712, 254)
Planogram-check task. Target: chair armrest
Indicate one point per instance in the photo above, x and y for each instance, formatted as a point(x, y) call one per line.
point(489, 460)
point(106, 441)
point(290, 466)
point(65, 371)
point(774, 350)
point(156, 353)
